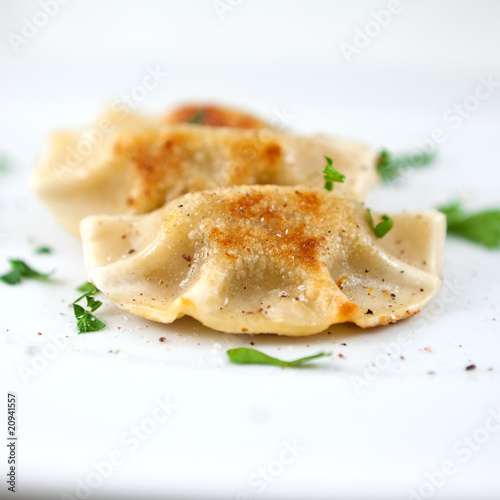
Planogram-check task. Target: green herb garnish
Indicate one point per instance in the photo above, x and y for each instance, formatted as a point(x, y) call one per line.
point(244, 355)
point(42, 250)
point(382, 228)
point(389, 167)
point(331, 175)
point(197, 117)
point(4, 164)
point(88, 288)
point(480, 227)
point(19, 270)
point(87, 322)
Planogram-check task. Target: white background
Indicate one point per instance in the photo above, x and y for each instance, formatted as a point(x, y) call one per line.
point(380, 440)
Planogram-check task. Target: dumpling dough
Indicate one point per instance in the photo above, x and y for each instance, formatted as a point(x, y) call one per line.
point(140, 164)
point(265, 259)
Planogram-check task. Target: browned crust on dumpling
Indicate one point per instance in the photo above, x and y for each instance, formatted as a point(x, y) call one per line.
point(213, 116)
point(162, 162)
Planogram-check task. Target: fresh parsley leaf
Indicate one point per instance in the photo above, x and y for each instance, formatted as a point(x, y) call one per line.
point(93, 304)
point(382, 228)
point(244, 355)
point(42, 250)
point(87, 322)
point(78, 310)
point(88, 288)
point(19, 270)
point(4, 164)
point(389, 167)
point(480, 227)
point(331, 175)
point(197, 117)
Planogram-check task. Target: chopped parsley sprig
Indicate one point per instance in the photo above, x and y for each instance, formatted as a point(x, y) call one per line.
point(43, 250)
point(390, 167)
point(4, 164)
point(331, 175)
point(245, 355)
point(197, 117)
point(87, 322)
point(482, 227)
point(382, 228)
point(19, 270)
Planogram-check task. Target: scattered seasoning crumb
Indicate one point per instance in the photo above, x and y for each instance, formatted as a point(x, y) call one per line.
point(110, 351)
point(341, 356)
point(343, 343)
point(402, 357)
point(340, 281)
point(39, 333)
point(428, 349)
point(186, 257)
point(162, 339)
point(393, 295)
point(131, 251)
point(118, 327)
point(369, 311)
point(431, 373)
point(470, 367)
point(490, 369)
point(252, 343)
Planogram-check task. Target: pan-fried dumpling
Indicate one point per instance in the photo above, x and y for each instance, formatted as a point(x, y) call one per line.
point(213, 116)
point(139, 165)
point(265, 259)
